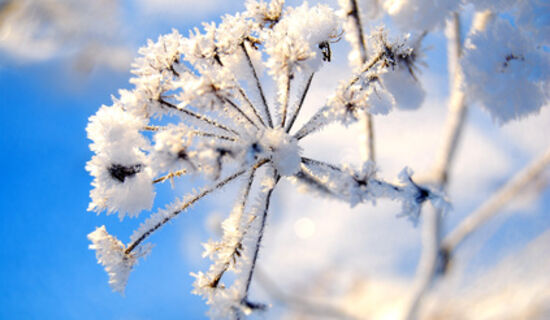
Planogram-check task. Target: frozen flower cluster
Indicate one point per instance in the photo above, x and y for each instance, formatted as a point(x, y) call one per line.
point(199, 107)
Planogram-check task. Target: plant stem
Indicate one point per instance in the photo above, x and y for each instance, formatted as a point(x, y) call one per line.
point(496, 202)
point(258, 85)
point(260, 236)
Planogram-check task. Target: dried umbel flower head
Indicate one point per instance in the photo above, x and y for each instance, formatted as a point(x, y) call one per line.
point(199, 107)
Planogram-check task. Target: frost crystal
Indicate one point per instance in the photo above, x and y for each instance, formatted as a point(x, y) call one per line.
point(110, 252)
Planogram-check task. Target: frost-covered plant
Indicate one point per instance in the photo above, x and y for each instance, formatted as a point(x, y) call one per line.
point(199, 107)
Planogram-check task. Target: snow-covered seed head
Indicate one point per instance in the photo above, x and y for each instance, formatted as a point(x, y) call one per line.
point(220, 123)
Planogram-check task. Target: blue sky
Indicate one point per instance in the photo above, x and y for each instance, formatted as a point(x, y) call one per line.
point(46, 269)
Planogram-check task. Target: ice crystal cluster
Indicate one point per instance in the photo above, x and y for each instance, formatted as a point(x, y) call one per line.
point(199, 107)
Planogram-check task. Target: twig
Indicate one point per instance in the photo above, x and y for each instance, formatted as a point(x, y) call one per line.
point(314, 182)
point(319, 120)
point(300, 104)
point(431, 227)
point(186, 205)
point(369, 153)
point(170, 176)
point(236, 108)
point(286, 96)
point(199, 117)
point(238, 246)
point(495, 203)
point(457, 106)
point(258, 85)
point(151, 128)
point(259, 239)
point(435, 257)
point(428, 264)
point(354, 14)
point(250, 104)
point(212, 135)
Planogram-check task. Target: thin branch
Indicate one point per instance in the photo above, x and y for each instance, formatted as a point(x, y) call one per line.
point(309, 161)
point(258, 85)
point(194, 132)
point(212, 135)
point(457, 106)
point(388, 187)
point(355, 15)
point(366, 187)
point(286, 96)
point(202, 118)
point(247, 100)
point(428, 264)
point(236, 108)
point(151, 128)
point(495, 203)
point(369, 153)
point(316, 122)
point(431, 227)
point(301, 103)
point(319, 119)
point(186, 205)
point(314, 182)
point(242, 93)
point(367, 66)
point(259, 239)
point(171, 175)
point(236, 249)
point(434, 259)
